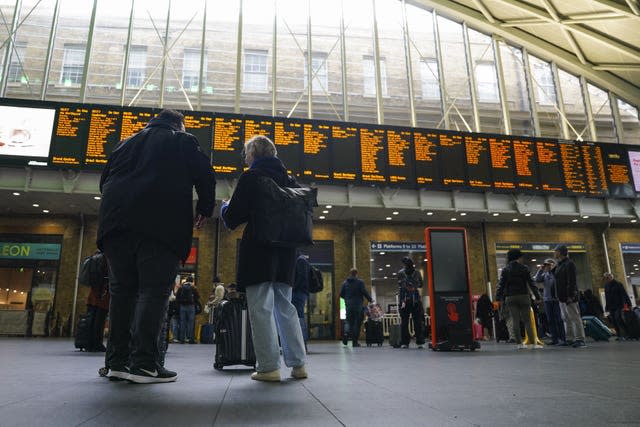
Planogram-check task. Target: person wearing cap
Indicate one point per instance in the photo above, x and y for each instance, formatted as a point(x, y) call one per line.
point(615, 298)
point(409, 281)
point(551, 304)
point(514, 289)
point(567, 290)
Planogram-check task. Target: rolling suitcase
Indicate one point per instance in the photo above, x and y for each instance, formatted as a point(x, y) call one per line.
point(373, 333)
point(631, 324)
point(594, 328)
point(394, 335)
point(234, 345)
point(84, 330)
point(502, 331)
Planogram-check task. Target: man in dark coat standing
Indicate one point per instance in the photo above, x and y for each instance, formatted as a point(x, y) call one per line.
point(145, 228)
point(352, 292)
point(616, 297)
point(300, 292)
point(567, 287)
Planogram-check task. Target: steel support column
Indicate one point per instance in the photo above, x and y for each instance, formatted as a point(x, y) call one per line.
point(165, 53)
point(409, 64)
point(591, 124)
point(127, 53)
point(473, 87)
point(236, 102)
point(441, 76)
point(376, 66)
point(203, 57)
point(343, 64)
point(274, 60)
point(502, 86)
point(532, 93)
point(560, 102)
point(617, 119)
point(87, 53)
point(10, 46)
point(309, 64)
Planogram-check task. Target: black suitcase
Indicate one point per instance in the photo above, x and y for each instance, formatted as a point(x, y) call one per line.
point(502, 332)
point(374, 333)
point(631, 324)
point(83, 331)
point(234, 345)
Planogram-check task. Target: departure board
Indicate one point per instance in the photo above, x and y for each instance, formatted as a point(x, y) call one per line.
point(618, 174)
point(65, 135)
point(70, 136)
point(502, 163)
point(401, 157)
point(548, 154)
point(287, 136)
point(425, 145)
point(200, 125)
point(572, 168)
point(478, 161)
point(316, 157)
point(373, 155)
point(525, 159)
point(345, 152)
point(452, 159)
point(594, 169)
point(228, 141)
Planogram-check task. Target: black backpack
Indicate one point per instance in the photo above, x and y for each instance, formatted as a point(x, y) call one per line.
point(93, 270)
point(316, 284)
point(283, 216)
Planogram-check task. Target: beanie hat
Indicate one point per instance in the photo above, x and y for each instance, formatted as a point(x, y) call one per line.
point(562, 249)
point(513, 254)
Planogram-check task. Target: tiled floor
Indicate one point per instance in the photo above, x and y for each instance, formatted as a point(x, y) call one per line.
point(44, 382)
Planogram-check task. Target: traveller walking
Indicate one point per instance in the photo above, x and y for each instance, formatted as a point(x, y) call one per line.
point(567, 288)
point(300, 292)
point(145, 228)
point(187, 298)
point(409, 281)
point(616, 297)
point(352, 292)
point(551, 303)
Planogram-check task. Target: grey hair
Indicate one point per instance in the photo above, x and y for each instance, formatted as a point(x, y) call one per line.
point(607, 274)
point(259, 146)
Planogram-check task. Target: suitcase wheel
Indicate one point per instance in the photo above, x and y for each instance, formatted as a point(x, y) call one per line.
point(103, 371)
point(218, 366)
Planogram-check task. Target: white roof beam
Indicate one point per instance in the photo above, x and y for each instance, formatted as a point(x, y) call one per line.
point(633, 5)
point(617, 7)
point(484, 11)
point(617, 67)
point(572, 41)
point(535, 45)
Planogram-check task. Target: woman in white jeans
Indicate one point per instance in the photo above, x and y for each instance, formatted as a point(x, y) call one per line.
point(265, 273)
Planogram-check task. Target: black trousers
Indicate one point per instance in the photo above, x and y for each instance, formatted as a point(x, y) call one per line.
point(141, 275)
point(354, 320)
point(618, 322)
point(417, 314)
point(97, 327)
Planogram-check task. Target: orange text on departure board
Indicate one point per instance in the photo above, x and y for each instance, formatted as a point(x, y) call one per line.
point(253, 127)
point(315, 141)
point(502, 159)
point(282, 136)
point(399, 143)
point(103, 124)
point(371, 144)
point(342, 135)
point(132, 123)
point(68, 121)
point(572, 168)
point(226, 135)
point(476, 150)
point(197, 122)
point(450, 141)
point(594, 169)
point(523, 158)
point(425, 151)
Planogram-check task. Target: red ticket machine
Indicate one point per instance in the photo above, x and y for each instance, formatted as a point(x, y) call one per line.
point(449, 289)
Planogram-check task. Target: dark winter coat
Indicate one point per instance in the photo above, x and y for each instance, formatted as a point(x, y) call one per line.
point(515, 279)
point(258, 263)
point(147, 187)
point(301, 279)
point(352, 291)
point(615, 296)
point(409, 281)
point(566, 281)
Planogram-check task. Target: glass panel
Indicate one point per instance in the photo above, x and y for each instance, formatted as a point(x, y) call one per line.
point(218, 93)
point(602, 115)
point(257, 41)
point(327, 60)
point(137, 70)
point(6, 7)
point(358, 17)
point(457, 97)
point(426, 75)
point(630, 123)
point(68, 53)
point(484, 68)
point(395, 87)
point(369, 76)
point(517, 94)
point(574, 105)
point(292, 45)
point(545, 94)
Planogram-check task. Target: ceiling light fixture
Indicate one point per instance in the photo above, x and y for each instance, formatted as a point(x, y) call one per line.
point(527, 214)
point(396, 212)
point(585, 216)
point(382, 253)
point(16, 194)
point(388, 218)
point(321, 217)
point(328, 206)
point(574, 220)
point(454, 219)
point(325, 212)
point(496, 214)
point(96, 197)
point(463, 214)
point(429, 213)
point(45, 210)
point(515, 220)
point(633, 221)
point(35, 205)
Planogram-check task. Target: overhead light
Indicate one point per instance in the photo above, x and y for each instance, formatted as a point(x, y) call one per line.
point(635, 265)
point(16, 193)
point(325, 212)
point(35, 205)
point(534, 260)
point(429, 213)
point(395, 212)
point(454, 219)
point(386, 277)
point(515, 220)
point(380, 269)
point(394, 274)
point(527, 214)
point(496, 214)
point(382, 253)
point(371, 259)
point(7, 289)
point(463, 214)
point(585, 216)
point(388, 265)
point(45, 210)
point(321, 217)
point(633, 221)
point(574, 220)
point(21, 293)
point(388, 218)
point(328, 206)
point(425, 260)
point(15, 292)
point(96, 197)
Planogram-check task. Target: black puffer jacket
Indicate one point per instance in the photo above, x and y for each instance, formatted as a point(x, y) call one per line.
point(258, 263)
point(515, 279)
point(147, 187)
point(566, 281)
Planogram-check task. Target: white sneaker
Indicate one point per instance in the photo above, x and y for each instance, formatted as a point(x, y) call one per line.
point(538, 346)
point(522, 347)
point(271, 376)
point(404, 346)
point(421, 346)
point(299, 373)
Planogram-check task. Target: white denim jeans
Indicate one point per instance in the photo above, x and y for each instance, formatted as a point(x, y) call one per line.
point(271, 314)
point(572, 320)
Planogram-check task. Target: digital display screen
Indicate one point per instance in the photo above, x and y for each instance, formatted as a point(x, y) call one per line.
point(82, 136)
point(448, 261)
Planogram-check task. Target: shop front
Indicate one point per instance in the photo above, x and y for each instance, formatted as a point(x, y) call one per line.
point(28, 278)
point(631, 263)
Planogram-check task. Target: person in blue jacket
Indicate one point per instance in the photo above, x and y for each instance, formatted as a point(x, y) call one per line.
point(352, 292)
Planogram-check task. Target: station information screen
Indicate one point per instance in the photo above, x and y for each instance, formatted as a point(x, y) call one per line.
point(82, 136)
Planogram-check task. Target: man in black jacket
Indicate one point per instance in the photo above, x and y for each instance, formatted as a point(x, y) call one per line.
point(615, 298)
point(514, 290)
point(567, 288)
point(409, 281)
point(145, 228)
point(352, 292)
point(300, 291)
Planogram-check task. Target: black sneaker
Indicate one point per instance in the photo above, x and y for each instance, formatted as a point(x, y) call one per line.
point(579, 344)
point(151, 376)
point(118, 374)
point(345, 341)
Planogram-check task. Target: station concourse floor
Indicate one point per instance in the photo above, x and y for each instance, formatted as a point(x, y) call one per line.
point(45, 382)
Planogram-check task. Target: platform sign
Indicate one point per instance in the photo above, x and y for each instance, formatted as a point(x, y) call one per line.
point(449, 289)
